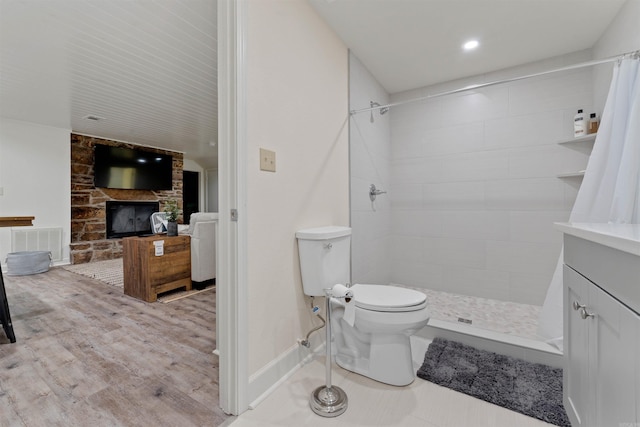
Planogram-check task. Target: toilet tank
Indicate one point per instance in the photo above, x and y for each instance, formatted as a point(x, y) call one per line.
point(324, 258)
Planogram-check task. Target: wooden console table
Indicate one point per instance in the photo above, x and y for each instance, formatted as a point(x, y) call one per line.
point(146, 274)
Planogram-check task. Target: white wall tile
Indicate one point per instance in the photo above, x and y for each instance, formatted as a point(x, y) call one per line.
point(454, 196)
point(523, 130)
point(552, 92)
point(474, 106)
point(406, 196)
point(407, 248)
point(370, 154)
point(540, 162)
point(416, 223)
point(464, 138)
point(406, 143)
point(417, 115)
point(570, 187)
point(371, 225)
point(417, 274)
point(529, 288)
point(527, 226)
point(371, 262)
point(418, 170)
point(481, 165)
point(525, 194)
point(460, 252)
point(521, 257)
point(477, 225)
point(477, 282)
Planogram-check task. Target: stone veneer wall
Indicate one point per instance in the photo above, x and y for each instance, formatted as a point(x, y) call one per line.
point(88, 207)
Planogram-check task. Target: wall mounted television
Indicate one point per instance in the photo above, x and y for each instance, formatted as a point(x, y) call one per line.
point(132, 169)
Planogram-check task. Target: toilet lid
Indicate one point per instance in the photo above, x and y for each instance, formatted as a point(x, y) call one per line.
point(388, 298)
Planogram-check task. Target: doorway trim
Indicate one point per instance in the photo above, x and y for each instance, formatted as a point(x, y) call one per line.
point(232, 300)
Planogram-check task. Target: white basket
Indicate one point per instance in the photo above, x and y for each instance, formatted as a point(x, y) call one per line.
point(28, 262)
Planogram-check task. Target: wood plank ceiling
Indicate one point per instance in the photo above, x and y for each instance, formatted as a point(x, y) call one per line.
point(147, 69)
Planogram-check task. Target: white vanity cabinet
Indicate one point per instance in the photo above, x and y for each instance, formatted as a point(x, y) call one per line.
point(601, 331)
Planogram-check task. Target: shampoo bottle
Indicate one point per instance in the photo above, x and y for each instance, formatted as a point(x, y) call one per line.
point(580, 124)
point(594, 122)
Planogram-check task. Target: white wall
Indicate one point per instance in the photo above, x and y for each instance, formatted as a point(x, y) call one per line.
point(474, 188)
point(35, 175)
point(623, 35)
point(297, 97)
point(370, 156)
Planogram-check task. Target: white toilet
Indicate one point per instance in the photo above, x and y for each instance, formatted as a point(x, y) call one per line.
point(377, 344)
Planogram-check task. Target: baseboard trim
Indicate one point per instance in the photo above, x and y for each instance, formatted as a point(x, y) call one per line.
point(272, 375)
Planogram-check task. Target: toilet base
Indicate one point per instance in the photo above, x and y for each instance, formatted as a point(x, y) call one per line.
point(389, 360)
point(328, 401)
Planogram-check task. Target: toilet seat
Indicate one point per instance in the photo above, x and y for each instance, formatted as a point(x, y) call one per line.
point(388, 298)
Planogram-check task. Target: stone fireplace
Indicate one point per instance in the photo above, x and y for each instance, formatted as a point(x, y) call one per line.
point(89, 240)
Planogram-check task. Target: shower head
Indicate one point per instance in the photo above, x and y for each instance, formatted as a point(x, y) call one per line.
point(382, 110)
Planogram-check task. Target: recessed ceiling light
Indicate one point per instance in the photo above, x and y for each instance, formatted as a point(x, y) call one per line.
point(470, 45)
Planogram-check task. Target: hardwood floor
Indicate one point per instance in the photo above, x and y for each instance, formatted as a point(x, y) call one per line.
point(86, 354)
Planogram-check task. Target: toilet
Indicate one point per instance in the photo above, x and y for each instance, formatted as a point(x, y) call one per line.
point(375, 341)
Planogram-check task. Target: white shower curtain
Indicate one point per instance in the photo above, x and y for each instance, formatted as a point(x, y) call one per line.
point(610, 190)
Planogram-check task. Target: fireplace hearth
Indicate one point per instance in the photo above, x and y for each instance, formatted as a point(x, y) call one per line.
point(125, 218)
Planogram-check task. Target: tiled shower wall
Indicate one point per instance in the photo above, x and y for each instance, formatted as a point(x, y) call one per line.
point(473, 188)
point(474, 185)
point(370, 159)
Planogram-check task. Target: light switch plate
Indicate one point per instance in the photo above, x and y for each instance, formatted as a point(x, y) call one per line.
point(267, 160)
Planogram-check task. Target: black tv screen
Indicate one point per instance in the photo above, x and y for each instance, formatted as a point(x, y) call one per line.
point(126, 168)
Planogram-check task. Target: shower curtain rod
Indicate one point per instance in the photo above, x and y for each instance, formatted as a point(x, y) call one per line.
point(497, 82)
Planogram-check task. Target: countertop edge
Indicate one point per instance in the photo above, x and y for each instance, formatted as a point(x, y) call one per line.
point(621, 237)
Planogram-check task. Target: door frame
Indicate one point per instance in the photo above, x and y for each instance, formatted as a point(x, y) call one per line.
point(232, 301)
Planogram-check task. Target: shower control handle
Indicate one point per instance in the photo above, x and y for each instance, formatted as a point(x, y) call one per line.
point(373, 192)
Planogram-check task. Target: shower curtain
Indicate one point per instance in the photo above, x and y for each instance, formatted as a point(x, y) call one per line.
point(610, 190)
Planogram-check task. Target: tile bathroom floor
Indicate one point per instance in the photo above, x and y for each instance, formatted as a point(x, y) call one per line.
point(421, 404)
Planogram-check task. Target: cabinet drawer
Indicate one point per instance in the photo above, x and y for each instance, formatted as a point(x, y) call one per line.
point(617, 272)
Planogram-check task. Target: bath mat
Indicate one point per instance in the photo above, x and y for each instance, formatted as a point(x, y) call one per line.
point(532, 389)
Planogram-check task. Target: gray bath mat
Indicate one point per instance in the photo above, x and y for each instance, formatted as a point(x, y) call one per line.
point(529, 388)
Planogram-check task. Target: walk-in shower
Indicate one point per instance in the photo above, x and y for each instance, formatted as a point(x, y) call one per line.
point(473, 185)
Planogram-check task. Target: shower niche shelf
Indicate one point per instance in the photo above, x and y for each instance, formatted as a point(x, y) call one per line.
point(580, 140)
point(578, 174)
point(587, 138)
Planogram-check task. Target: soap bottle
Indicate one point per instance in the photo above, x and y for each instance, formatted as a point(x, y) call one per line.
point(580, 123)
point(594, 123)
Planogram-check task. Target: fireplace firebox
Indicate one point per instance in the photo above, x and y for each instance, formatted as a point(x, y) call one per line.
point(126, 218)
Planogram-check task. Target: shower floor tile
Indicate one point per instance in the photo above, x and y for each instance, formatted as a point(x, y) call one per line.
point(500, 316)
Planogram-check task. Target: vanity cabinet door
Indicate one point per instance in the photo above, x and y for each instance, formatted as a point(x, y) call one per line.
point(614, 332)
point(576, 348)
point(602, 338)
